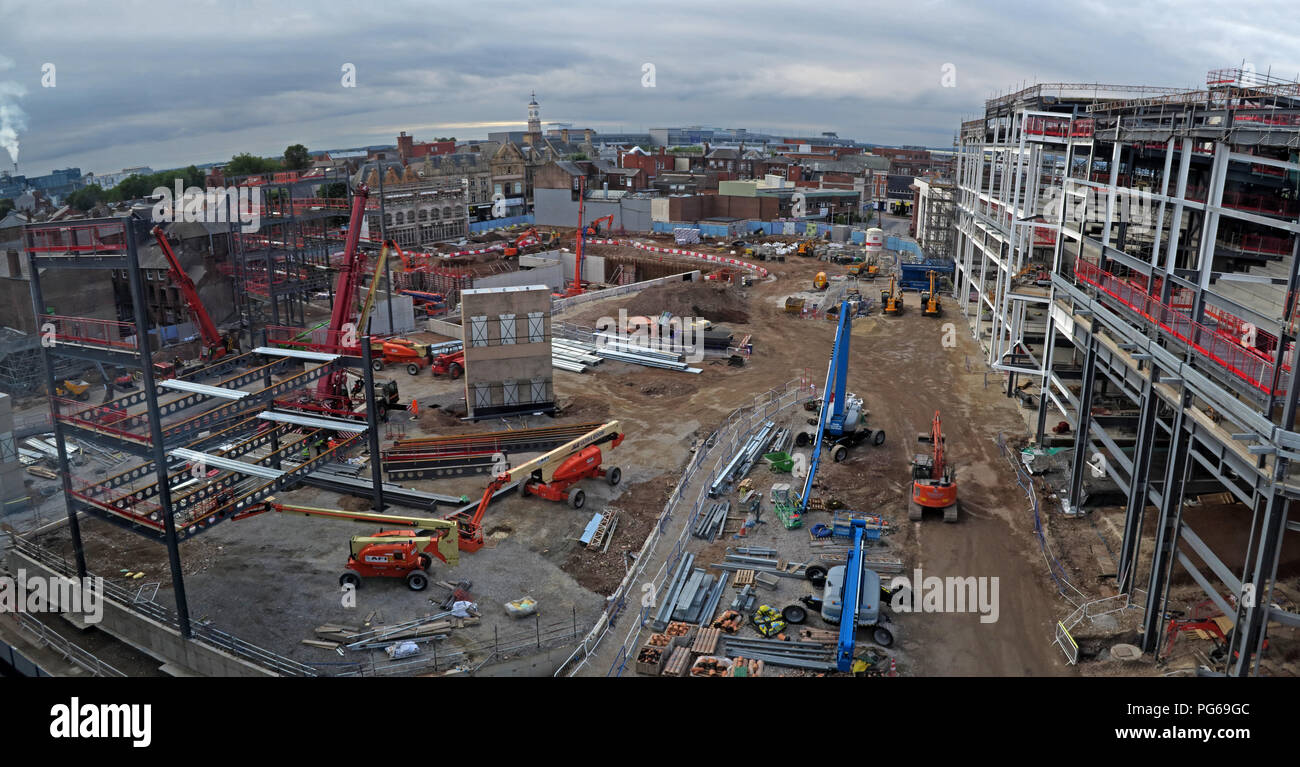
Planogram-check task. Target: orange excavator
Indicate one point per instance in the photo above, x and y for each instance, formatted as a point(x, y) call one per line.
point(529, 237)
point(554, 475)
point(215, 343)
point(933, 484)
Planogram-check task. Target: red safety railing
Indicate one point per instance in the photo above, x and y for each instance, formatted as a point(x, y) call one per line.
point(87, 331)
point(103, 418)
point(1059, 127)
point(1258, 243)
point(119, 502)
point(1267, 204)
point(1250, 364)
point(81, 238)
point(314, 339)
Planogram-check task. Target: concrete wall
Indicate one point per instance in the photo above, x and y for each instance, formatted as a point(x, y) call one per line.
point(551, 274)
point(493, 368)
point(152, 638)
point(403, 315)
point(555, 207)
point(11, 471)
point(75, 292)
point(444, 328)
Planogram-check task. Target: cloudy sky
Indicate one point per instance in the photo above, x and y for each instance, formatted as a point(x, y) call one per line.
point(194, 81)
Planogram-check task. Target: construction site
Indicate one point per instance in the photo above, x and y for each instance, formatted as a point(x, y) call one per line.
point(1039, 438)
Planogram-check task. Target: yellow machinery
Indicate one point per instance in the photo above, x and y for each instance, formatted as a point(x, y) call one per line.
point(820, 282)
point(930, 306)
point(891, 301)
point(75, 389)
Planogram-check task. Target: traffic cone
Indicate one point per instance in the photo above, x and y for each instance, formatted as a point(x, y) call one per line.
point(893, 667)
point(415, 408)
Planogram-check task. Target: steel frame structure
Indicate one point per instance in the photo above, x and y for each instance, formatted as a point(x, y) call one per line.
point(128, 499)
point(1158, 311)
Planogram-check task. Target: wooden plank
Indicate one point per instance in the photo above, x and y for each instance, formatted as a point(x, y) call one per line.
point(321, 644)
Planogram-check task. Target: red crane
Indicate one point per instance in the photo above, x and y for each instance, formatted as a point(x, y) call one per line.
point(214, 344)
point(345, 292)
point(575, 287)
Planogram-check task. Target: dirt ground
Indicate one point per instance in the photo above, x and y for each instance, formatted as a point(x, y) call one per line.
point(271, 579)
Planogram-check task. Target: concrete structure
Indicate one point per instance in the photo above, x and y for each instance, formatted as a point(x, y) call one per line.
point(933, 218)
point(507, 337)
point(1167, 220)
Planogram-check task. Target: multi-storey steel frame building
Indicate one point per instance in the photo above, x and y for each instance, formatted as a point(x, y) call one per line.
point(1168, 221)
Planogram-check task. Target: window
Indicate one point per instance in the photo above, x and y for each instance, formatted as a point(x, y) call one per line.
point(482, 395)
point(478, 331)
point(401, 219)
point(424, 214)
point(538, 386)
point(536, 328)
point(388, 219)
point(509, 392)
point(518, 188)
point(436, 215)
point(507, 329)
point(496, 188)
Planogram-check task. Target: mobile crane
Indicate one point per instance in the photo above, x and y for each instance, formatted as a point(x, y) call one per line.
point(933, 485)
point(406, 554)
point(930, 306)
point(345, 292)
point(841, 417)
point(552, 475)
point(891, 302)
point(215, 344)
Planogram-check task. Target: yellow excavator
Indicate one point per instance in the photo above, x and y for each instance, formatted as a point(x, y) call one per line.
point(930, 306)
point(891, 300)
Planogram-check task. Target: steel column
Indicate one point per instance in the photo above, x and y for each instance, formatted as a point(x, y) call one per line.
point(156, 431)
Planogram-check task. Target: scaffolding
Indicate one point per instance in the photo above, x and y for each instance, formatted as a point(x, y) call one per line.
point(1169, 220)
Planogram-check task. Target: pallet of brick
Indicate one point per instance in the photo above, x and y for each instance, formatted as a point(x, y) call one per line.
point(650, 660)
point(678, 663)
point(683, 632)
point(661, 640)
point(706, 641)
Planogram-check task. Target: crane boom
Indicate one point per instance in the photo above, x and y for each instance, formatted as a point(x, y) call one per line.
point(374, 284)
point(837, 378)
point(208, 332)
point(853, 573)
point(542, 467)
point(445, 536)
point(349, 278)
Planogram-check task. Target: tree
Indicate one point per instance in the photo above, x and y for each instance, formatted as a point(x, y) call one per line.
point(6, 205)
point(86, 198)
point(578, 156)
point(297, 157)
point(244, 164)
point(336, 190)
